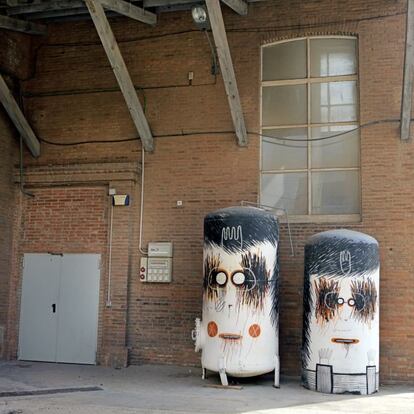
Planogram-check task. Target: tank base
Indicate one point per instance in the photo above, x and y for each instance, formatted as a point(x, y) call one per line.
point(332, 383)
point(276, 383)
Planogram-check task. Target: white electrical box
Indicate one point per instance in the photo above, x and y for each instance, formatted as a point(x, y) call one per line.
point(158, 266)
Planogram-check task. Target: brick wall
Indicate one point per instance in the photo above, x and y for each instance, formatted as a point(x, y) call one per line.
point(71, 98)
point(9, 151)
point(15, 54)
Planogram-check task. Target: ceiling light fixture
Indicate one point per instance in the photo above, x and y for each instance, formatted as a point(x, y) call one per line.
point(199, 14)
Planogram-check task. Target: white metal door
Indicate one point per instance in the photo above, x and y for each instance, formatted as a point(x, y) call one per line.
point(38, 317)
point(78, 305)
point(59, 308)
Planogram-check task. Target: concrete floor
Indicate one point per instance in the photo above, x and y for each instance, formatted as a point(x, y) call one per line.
point(171, 389)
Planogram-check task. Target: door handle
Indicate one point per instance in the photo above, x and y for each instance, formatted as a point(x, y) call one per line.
point(54, 307)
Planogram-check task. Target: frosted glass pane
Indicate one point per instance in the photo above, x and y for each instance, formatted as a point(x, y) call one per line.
point(333, 102)
point(288, 191)
point(333, 57)
point(335, 192)
point(342, 151)
point(284, 61)
point(284, 154)
point(284, 105)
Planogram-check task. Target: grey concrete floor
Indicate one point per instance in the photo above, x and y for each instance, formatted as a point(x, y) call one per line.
point(171, 389)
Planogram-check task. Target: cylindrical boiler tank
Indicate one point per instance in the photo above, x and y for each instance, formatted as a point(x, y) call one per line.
point(340, 348)
point(238, 334)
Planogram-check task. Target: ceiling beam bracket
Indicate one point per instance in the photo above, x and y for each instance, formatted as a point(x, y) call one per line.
point(239, 6)
point(227, 70)
point(407, 90)
point(121, 72)
point(18, 119)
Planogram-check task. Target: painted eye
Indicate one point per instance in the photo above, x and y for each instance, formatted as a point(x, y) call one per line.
point(250, 280)
point(351, 302)
point(332, 300)
point(221, 278)
point(238, 278)
point(340, 301)
point(358, 300)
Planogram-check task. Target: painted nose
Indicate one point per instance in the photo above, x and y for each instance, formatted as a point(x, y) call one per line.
point(345, 314)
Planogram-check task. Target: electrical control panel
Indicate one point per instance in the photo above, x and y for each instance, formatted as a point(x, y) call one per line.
point(157, 267)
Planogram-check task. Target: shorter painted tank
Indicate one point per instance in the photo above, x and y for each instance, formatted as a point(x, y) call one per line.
point(340, 352)
point(238, 334)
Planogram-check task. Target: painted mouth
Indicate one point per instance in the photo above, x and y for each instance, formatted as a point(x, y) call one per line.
point(346, 341)
point(230, 336)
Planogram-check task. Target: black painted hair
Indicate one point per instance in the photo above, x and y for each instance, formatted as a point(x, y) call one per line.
point(335, 253)
point(341, 253)
point(275, 291)
point(238, 228)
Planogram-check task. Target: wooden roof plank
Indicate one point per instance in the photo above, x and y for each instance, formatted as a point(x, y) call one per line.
point(17, 25)
point(45, 6)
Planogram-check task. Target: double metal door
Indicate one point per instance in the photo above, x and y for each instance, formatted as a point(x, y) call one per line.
point(59, 308)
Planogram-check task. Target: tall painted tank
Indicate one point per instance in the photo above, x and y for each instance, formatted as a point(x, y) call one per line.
point(238, 334)
point(340, 352)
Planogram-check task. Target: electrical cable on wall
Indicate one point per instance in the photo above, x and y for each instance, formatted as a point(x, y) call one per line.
point(109, 291)
point(193, 133)
point(141, 217)
point(258, 29)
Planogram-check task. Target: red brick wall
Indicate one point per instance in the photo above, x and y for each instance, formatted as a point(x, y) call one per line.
point(16, 54)
point(9, 151)
point(209, 171)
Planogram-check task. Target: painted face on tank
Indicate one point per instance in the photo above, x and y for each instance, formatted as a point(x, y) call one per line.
point(238, 289)
point(344, 313)
point(343, 319)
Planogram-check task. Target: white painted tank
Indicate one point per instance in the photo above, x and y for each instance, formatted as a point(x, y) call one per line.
point(340, 352)
point(238, 334)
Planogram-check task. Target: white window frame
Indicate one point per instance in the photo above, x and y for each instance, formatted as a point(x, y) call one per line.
point(308, 81)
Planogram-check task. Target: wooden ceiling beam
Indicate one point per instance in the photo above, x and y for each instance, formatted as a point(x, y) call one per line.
point(407, 91)
point(17, 25)
point(227, 70)
point(129, 10)
point(121, 72)
point(239, 6)
point(18, 119)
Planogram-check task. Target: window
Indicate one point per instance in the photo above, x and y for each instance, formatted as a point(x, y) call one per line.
point(310, 92)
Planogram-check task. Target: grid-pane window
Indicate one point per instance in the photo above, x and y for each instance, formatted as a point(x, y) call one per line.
point(310, 141)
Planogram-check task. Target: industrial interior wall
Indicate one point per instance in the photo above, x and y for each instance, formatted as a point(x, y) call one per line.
point(15, 53)
point(73, 97)
point(9, 155)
